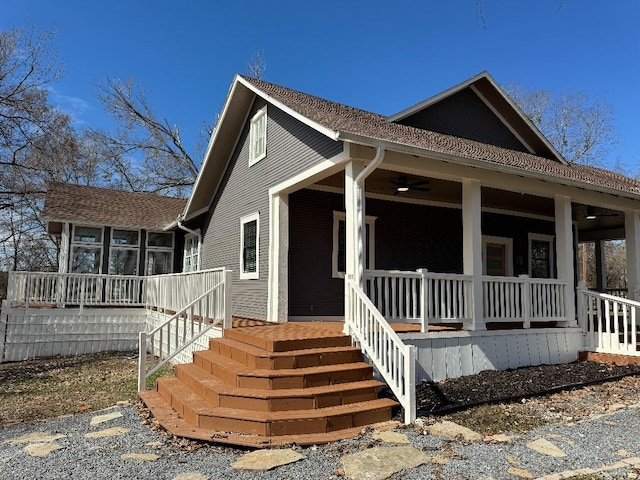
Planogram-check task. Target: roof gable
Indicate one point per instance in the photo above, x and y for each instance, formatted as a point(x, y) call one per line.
point(478, 109)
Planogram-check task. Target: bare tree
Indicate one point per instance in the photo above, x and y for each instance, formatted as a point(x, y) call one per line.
point(146, 151)
point(257, 65)
point(581, 128)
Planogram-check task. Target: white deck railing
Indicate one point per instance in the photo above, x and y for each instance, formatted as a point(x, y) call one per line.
point(59, 289)
point(523, 299)
point(389, 354)
point(171, 292)
point(610, 323)
point(426, 297)
point(209, 309)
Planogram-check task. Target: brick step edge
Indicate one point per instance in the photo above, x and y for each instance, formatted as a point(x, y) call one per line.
point(168, 419)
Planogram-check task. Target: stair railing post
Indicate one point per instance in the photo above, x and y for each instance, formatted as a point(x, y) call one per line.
point(410, 384)
point(228, 299)
point(142, 361)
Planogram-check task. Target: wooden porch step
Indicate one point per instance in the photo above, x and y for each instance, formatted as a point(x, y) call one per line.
point(169, 419)
point(254, 357)
point(236, 374)
point(284, 337)
point(201, 414)
point(219, 394)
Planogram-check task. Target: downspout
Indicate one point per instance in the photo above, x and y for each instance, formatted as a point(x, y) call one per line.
point(362, 176)
point(192, 232)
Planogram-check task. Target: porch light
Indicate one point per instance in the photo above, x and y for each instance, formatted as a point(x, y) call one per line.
point(402, 189)
point(591, 213)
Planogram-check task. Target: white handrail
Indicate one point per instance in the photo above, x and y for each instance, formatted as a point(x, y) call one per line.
point(610, 323)
point(389, 354)
point(184, 327)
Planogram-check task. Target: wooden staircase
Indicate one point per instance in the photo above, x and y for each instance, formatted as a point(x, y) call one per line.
point(272, 384)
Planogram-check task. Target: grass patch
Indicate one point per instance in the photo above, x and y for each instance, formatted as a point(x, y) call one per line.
point(494, 419)
point(162, 372)
point(50, 387)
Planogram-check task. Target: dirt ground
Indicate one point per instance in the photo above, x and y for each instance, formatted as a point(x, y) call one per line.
point(489, 402)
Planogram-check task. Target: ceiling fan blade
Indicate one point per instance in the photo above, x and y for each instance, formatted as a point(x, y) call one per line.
point(419, 184)
point(420, 189)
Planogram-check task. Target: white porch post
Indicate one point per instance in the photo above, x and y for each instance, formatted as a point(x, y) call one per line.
point(565, 253)
point(632, 237)
point(472, 246)
point(278, 293)
point(601, 266)
point(63, 258)
point(354, 222)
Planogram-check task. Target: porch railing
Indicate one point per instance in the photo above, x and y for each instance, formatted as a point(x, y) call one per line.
point(169, 293)
point(610, 323)
point(389, 354)
point(210, 309)
point(426, 297)
point(509, 299)
point(59, 289)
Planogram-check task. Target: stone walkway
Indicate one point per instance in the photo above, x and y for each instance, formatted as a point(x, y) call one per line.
point(115, 444)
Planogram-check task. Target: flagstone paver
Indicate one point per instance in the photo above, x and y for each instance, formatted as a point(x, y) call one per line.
point(107, 417)
point(381, 462)
point(262, 460)
point(36, 437)
point(498, 438)
point(545, 447)
point(453, 430)
point(520, 472)
point(391, 437)
point(41, 449)
point(190, 476)
point(108, 432)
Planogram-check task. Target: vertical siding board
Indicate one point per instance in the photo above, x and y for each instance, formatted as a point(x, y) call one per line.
point(292, 147)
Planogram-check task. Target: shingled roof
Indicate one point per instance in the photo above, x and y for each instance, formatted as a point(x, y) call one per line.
point(105, 206)
point(365, 127)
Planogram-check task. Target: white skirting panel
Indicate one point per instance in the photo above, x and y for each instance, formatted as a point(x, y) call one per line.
point(455, 354)
point(33, 333)
point(154, 319)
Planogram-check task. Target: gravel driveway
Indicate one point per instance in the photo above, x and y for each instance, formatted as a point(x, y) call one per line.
point(598, 441)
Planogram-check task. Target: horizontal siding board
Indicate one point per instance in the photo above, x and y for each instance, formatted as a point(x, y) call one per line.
point(292, 147)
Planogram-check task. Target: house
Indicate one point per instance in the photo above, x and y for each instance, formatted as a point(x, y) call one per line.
point(442, 239)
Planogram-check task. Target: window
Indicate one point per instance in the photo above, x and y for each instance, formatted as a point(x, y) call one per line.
point(339, 253)
point(541, 256)
point(258, 137)
point(250, 246)
point(123, 252)
point(86, 249)
point(159, 253)
point(191, 260)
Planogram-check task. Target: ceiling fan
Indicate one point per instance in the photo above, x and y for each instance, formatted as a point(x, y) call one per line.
point(403, 185)
point(592, 214)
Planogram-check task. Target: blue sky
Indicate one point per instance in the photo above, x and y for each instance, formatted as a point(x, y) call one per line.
point(380, 56)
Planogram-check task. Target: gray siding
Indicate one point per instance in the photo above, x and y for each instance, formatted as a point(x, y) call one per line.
point(407, 237)
point(292, 147)
point(465, 115)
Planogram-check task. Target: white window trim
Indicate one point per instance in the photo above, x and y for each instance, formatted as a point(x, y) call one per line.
point(244, 220)
point(508, 243)
point(154, 248)
point(262, 113)
point(544, 238)
point(369, 220)
point(198, 238)
point(97, 245)
point(115, 246)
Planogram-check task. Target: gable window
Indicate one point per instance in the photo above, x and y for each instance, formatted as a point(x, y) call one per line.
point(86, 249)
point(541, 263)
point(339, 252)
point(159, 253)
point(250, 246)
point(191, 259)
point(123, 252)
point(258, 137)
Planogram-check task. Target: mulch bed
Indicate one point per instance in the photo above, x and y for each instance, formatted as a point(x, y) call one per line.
point(513, 385)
